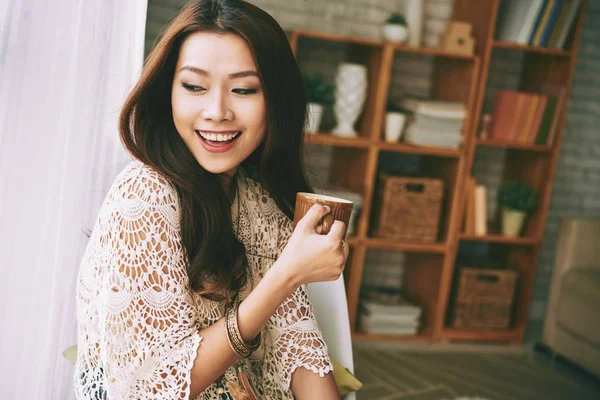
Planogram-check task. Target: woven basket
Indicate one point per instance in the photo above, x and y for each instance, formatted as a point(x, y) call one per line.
point(484, 298)
point(408, 208)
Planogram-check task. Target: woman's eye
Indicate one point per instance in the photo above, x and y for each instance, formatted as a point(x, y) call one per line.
point(245, 92)
point(192, 88)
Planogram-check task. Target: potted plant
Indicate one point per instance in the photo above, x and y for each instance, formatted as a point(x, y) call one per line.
point(516, 199)
point(320, 94)
point(395, 29)
point(394, 122)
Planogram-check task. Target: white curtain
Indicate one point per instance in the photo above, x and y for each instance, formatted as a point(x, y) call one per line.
point(65, 69)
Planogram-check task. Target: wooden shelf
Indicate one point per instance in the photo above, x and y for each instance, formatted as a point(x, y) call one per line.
point(422, 150)
point(390, 244)
point(498, 238)
point(391, 338)
point(337, 141)
point(439, 52)
point(531, 49)
point(356, 163)
point(503, 336)
point(514, 145)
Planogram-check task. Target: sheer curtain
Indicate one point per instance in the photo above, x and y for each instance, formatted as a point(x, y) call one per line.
point(65, 69)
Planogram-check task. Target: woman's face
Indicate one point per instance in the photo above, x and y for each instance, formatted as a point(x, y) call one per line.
point(218, 104)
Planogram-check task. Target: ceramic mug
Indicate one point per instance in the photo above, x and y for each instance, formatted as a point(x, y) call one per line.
point(341, 209)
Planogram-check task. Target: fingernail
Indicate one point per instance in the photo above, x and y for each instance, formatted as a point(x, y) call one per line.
point(327, 209)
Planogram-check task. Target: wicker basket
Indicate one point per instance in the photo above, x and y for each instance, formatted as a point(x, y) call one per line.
point(484, 298)
point(408, 208)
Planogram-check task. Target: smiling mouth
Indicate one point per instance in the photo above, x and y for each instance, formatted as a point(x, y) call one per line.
point(218, 138)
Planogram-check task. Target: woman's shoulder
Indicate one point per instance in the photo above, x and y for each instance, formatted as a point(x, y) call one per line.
point(139, 191)
point(140, 181)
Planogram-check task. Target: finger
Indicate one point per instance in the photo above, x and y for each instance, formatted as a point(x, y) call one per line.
point(346, 251)
point(313, 216)
point(337, 231)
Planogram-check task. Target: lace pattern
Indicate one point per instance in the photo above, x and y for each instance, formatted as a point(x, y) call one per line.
point(138, 321)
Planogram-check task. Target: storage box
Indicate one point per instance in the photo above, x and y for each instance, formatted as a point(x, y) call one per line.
point(484, 298)
point(408, 208)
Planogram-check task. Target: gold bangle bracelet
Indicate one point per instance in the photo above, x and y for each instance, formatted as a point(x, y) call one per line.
point(234, 336)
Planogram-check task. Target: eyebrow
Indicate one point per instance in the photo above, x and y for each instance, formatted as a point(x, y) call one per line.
point(235, 75)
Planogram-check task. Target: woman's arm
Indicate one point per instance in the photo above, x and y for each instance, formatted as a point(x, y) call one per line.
point(215, 355)
point(308, 257)
point(308, 385)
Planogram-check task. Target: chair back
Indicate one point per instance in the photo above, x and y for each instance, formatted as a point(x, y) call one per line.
point(331, 311)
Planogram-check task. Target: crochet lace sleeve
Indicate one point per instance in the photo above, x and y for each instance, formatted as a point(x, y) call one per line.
point(148, 331)
point(297, 339)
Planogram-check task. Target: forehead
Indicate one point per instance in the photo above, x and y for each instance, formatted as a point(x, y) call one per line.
point(218, 53)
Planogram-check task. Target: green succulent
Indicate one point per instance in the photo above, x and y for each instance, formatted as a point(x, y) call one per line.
point(318, 90)
point(396, 19)
point(517, 195)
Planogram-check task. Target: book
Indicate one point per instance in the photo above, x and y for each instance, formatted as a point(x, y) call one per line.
point(573, 8)
point(518, 19)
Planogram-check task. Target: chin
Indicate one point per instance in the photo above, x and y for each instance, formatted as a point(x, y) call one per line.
point(219, 168)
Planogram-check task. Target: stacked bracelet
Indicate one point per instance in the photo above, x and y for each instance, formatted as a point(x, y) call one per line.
point(234, 336)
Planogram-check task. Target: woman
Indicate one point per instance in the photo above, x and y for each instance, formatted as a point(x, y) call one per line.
point(192, 282)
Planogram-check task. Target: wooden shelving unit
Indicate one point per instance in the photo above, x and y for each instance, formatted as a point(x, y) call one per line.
point(429, 274)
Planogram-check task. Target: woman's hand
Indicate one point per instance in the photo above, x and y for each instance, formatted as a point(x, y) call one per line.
point(311, 257)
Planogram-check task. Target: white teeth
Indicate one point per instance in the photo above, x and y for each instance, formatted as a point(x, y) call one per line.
point(218, 137)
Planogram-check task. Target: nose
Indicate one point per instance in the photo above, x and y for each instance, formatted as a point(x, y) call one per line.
point(216, 107)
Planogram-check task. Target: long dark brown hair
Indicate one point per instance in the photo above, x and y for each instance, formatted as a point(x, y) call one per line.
point(217, 260)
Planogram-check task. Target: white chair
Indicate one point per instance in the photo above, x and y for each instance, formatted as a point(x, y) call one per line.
point(331, 311)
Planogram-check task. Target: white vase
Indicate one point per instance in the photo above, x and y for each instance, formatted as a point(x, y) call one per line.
point(314, 116)
point(394, 124)
point(350, 95)
point(512, 222)
point(414, 19)
point(394, 33)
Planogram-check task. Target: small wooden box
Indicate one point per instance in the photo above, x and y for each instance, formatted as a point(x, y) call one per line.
point(484, 298)
point(408, 208)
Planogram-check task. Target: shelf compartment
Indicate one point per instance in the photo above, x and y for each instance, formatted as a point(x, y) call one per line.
point(531, 49)
point(419, 150)
point(323, 53)
point(416, 276)
point(337, 141)
point(514, 145)
point(498, 238)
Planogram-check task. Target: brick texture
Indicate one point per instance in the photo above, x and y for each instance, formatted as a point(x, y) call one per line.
point(577, 181)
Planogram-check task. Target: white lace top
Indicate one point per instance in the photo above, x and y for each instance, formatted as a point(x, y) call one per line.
point(138, 322)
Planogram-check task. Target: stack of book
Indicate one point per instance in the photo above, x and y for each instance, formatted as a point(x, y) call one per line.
point(389, 314)
point(526, 118)
point(545, 23)
point(434, 123)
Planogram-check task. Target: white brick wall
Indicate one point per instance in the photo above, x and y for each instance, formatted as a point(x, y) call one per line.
point(577, 183)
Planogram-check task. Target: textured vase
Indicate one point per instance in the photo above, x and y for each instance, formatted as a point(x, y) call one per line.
point(350, 95)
